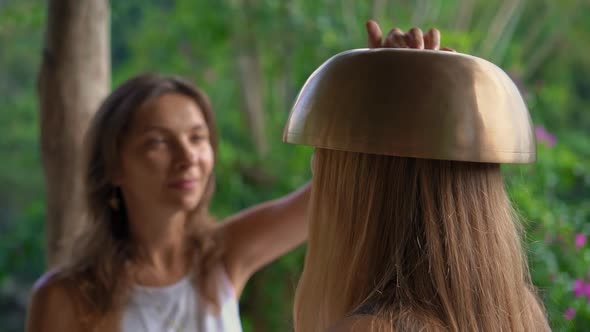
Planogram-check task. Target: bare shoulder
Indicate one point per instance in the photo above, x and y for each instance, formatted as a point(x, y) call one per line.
point(51, 307)
point(50, 289)
point(361, 323)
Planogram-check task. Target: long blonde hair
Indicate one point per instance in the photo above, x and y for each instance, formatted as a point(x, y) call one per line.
point(95, 267)
point(422, 245)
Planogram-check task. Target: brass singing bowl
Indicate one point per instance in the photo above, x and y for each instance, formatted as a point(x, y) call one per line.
point(413, 103)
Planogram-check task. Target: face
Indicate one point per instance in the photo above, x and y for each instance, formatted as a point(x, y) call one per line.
point(166, 157)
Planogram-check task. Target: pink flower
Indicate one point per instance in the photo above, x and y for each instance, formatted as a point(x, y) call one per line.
point(587, 291)
point(569, 314)
point(580, 240)
point(579, 288)
point(545, 137)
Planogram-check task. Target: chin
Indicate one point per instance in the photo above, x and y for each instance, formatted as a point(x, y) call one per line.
point(187, 203)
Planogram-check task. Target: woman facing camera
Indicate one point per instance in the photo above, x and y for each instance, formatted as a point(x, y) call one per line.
point(152, 259)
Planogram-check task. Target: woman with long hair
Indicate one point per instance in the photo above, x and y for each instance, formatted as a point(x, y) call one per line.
point(151, 258)
point(414, 232)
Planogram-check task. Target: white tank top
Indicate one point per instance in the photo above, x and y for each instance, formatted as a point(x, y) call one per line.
point(177, 308)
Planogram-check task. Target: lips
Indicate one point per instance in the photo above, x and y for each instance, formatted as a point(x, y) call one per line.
point(183, 184)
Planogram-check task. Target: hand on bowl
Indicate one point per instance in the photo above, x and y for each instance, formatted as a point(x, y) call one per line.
point(414, 38)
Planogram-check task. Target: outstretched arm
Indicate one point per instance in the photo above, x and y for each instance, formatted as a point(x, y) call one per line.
point(258, 235)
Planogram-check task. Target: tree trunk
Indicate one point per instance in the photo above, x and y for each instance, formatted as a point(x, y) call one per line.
point(285, 86)
point(249, 74)
point(74, 77)
point(250, 78)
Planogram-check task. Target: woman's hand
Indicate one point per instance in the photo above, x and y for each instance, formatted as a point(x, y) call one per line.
point(414, 38)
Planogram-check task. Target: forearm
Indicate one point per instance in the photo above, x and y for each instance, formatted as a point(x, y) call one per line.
point(272, 228)
point(290, 214)
point(259, 235)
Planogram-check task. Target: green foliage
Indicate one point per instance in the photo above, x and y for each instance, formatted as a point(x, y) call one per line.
point(542, 45)
point(552, 196)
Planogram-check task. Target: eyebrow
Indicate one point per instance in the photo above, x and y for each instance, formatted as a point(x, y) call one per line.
point(147, 128)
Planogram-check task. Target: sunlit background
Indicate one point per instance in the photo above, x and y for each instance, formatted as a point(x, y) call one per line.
point(251, 57)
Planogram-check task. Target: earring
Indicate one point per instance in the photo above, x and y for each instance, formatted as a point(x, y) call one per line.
point(114, 200)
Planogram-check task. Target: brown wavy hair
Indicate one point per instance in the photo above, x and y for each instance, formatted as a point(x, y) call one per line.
point(419, 245)
point(96, 263)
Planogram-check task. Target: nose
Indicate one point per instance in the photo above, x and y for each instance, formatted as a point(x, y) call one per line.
point(187, 156)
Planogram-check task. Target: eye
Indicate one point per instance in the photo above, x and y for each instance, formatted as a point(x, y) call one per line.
point(153, 142)
point(197, 138)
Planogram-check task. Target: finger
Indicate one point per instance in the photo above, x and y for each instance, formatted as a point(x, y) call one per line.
point(427, 41)
point(395, 38)
point(374, 34)
point(432, 39)
point(388, 42)
point(415, 39)
point(448, 49)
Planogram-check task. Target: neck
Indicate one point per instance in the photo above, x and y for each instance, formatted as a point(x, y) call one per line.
point(160, 246)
